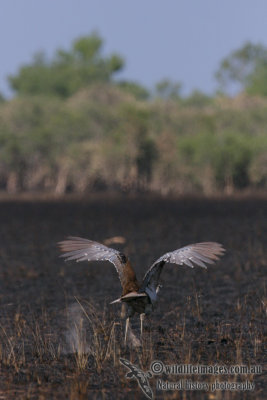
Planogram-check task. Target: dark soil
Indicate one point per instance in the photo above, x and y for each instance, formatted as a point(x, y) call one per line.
point(213, 316)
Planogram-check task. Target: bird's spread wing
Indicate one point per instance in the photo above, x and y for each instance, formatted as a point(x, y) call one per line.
point(194, 254)
point(79, 249)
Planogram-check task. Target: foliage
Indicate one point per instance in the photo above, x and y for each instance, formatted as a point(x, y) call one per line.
point(103, 137)
point(68, 71)
point(2, 99)
point(135, 89)
point(197, 99)
point(246, 67)
point(73, 128)
point(167, 89)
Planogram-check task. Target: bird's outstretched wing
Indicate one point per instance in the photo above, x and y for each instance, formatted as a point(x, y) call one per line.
point(194, 254)
point(79, 249)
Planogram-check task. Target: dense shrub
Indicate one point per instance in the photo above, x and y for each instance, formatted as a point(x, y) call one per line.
point(105, 137)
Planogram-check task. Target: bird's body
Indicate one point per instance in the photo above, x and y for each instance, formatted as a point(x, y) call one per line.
point(139, 298)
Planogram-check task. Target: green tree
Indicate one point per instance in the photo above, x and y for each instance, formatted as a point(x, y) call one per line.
point(167, 89)
point(197, 99)
point(68, 71)
point(2, 99)
point(245, 68)
point(138, 91)
point(146, 158)
point(231, 160)
point(257, 81)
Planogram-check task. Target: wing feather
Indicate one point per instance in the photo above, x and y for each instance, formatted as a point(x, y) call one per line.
point(80, 249)
point(191, 255)
point(188, 262)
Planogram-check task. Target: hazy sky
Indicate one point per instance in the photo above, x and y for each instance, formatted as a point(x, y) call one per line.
point(183, 40)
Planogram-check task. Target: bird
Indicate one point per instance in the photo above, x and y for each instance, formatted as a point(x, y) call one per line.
point(140, 298)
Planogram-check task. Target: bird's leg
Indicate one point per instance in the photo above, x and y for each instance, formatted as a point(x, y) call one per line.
point(126, 330)
point(142, 316)
point(123, 310)
point(149, 324)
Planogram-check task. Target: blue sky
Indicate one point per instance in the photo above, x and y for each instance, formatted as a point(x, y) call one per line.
point(183, 40)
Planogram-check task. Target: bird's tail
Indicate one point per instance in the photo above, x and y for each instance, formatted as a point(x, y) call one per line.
point(116, 301)
point(129, 296)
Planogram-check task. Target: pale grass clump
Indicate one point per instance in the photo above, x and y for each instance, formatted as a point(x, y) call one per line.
point(11, 353)
point(90, 333)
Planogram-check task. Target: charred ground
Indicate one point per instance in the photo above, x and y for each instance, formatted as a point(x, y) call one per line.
point(212, 317)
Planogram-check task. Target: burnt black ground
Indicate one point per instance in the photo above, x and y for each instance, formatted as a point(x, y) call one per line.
point(214, 316)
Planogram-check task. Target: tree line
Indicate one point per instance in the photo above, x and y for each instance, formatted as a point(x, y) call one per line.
point(72, 126)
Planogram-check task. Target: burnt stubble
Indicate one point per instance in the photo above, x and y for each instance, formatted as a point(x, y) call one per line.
point(61, 339)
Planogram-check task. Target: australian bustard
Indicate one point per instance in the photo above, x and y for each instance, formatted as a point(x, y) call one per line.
point(139, 298)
